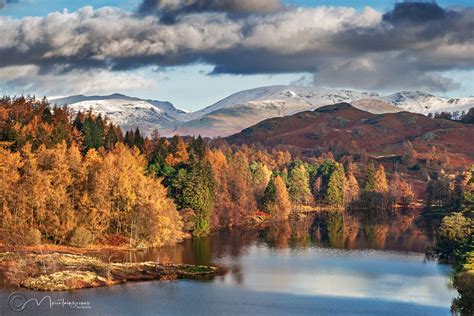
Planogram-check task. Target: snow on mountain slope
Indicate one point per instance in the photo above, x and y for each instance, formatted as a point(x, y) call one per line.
point(425, 103)
point(128, 112)
point(376, 106)
point(300, 97)
point(249, 107)
point(246, 108)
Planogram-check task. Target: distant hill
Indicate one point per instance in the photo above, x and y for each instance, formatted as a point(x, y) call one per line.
point(344, 126)
point(127, 112)
point(246, 108)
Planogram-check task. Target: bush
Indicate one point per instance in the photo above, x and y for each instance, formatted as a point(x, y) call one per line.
point(81, 237)
point(32, 237)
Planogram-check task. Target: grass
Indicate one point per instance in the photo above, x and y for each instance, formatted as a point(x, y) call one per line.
point(65, 280)
point(5, 256)
point(61, 272)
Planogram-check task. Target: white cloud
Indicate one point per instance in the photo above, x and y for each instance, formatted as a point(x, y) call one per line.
point(29, 80)
point(342, 46)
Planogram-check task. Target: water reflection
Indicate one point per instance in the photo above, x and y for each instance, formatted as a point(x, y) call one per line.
point(351, 231)
point(326, 263)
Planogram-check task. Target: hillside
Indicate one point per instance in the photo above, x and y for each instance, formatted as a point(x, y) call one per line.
point(127, 112)
point(349, 129)
point(246, 108)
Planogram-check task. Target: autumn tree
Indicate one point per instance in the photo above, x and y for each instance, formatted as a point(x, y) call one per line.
point(33, 191)
point(276, 200)
point(409, 154)
point(261, 175)
point(12, 218)
point(438, 191)
point(241, 189)
point(132, 194)
point(60, 218)
point(376, 180)
point(223, 203)
point(178, 152)
point(375, 195)
point(352, 190)
point(401, 191)
point(94, 204)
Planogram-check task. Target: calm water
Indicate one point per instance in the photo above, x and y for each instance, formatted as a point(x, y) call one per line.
point(327, 265)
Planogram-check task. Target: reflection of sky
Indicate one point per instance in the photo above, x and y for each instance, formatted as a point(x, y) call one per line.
point(399, 277)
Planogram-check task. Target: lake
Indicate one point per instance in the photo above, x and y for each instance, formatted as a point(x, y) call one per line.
point(328, 264)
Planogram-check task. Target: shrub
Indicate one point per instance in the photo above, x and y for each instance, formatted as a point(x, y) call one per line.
point(81, 237)
point(32, 237)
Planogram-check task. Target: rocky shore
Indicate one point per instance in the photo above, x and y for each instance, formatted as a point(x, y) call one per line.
point(64, 272)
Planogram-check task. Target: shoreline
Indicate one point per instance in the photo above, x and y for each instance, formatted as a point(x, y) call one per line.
point(66, 272)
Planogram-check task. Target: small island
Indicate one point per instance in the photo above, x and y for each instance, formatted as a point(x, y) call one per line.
point(65, 272)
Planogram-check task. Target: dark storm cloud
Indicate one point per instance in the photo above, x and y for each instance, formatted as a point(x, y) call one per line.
point(169, 10)
point(415, 12)
point(403, 48)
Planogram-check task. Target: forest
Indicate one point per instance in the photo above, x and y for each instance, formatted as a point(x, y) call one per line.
point(64, 177)
point(77, 180)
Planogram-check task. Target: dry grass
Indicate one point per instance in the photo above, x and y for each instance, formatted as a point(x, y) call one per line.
point(59, 272)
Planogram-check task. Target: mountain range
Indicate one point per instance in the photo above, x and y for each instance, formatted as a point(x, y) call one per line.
point(246, 108)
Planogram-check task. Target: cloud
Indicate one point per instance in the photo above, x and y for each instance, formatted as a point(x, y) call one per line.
point(342, 47)
point(28, 79)
point(169, 10)
point(415, 12)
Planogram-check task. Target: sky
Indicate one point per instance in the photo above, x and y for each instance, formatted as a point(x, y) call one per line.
point(195, 52)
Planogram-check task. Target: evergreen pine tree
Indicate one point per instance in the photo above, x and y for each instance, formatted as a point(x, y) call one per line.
point(336, 187)
point(198, 194)
point(78, 121)
point(129, 138)
point(47, 116)
point(370, 178)
point(138, 139)
point(381, 183)
point(110, 138)
point(299, 189)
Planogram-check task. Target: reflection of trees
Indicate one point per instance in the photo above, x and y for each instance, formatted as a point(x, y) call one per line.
point(301, 231)
point(277, 234)
point(351, 231)
point(376, 235)
point(377, 229)
point(335, 229)
point(328, 227)
point(345, 230)
point(202, 250)
point(464, 303)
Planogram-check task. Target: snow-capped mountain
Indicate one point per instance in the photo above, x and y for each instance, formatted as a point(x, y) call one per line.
point(127, 112)
point(248, 107)
point(425, 103)
point(292, 98)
